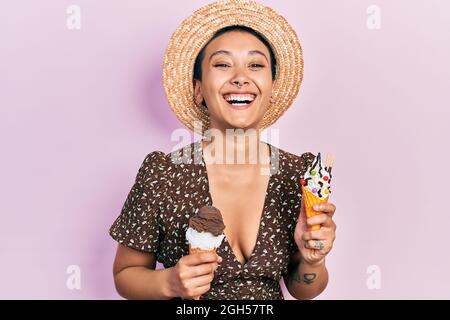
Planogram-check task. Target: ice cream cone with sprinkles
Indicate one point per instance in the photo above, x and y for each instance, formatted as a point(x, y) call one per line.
point(205, 231)
point(316, 185)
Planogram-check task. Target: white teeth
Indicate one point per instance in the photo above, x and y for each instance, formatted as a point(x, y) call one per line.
point(239, 97)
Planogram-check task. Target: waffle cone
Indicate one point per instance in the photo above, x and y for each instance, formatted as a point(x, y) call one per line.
point(198, 250)
point(309, 200)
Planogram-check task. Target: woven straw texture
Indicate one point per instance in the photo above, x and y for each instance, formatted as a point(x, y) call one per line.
point(195, 31)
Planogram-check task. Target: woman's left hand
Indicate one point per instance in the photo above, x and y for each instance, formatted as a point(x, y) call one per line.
point(315, 245)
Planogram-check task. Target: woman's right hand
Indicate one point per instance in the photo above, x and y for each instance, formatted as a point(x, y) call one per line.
point(193, 274)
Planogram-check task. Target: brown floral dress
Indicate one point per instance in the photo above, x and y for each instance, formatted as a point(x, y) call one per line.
point(170, 188)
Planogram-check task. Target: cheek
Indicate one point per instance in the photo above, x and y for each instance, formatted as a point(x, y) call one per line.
point(266, 90)
point(264, 83)
point(213, 83)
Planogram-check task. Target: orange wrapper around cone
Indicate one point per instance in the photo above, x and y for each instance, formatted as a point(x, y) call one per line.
point(310, 199)
point(197, 250)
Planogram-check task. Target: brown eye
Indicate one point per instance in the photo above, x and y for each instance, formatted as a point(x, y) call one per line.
point(256, 65)
point(222, 65)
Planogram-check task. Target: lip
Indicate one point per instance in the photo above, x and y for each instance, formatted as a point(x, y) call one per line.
point(240, 107)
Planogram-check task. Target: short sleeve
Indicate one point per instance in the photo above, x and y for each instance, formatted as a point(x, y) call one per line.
point(137, 225)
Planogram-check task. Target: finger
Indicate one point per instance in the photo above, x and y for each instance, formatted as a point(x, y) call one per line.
point(322, 219)
point(326, 207)
point(200, 258)
point(315, 244)
point(321, 234)
point(201, 290)
point(202, 269)
point(200, 281)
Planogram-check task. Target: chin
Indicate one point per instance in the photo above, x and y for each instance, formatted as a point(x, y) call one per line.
point(242, 124)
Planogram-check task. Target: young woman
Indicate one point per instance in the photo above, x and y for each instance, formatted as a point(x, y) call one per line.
point(244, 68)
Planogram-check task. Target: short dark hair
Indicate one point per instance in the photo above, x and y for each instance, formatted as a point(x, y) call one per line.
point(200, 56)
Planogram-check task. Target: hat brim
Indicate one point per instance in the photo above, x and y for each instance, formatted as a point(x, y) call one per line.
point(195, 31)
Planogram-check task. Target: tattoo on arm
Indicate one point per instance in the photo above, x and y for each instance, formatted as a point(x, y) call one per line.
point(307, 278)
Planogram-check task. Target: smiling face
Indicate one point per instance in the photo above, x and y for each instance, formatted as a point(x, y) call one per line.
point(236, 81)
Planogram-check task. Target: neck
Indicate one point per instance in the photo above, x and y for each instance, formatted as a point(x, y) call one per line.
point(239, 147)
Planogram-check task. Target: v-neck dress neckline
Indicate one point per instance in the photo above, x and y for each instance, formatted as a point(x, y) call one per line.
point(262, 220)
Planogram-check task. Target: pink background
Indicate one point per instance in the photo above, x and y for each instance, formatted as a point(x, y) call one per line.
point(80, 109)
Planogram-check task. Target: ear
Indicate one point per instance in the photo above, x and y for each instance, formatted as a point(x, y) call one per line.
point(198, 96)
point(274, 82)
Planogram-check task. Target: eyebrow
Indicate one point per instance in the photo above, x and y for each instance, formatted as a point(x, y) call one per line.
point(228, 53)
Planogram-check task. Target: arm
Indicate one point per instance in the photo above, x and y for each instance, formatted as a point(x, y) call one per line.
point(304, 280)
point(135, 276)
point(307, 275)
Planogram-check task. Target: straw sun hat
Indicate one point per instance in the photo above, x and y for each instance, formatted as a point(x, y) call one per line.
point(195, 31)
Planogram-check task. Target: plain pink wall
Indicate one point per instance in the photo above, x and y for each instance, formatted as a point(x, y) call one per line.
point(80, 109)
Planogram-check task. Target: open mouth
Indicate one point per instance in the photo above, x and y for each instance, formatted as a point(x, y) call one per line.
point(239, 100)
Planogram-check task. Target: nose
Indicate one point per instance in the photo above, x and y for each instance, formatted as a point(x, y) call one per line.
point(240, 79)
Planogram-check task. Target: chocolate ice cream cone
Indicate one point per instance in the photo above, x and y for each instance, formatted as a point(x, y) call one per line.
point(205, 232)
